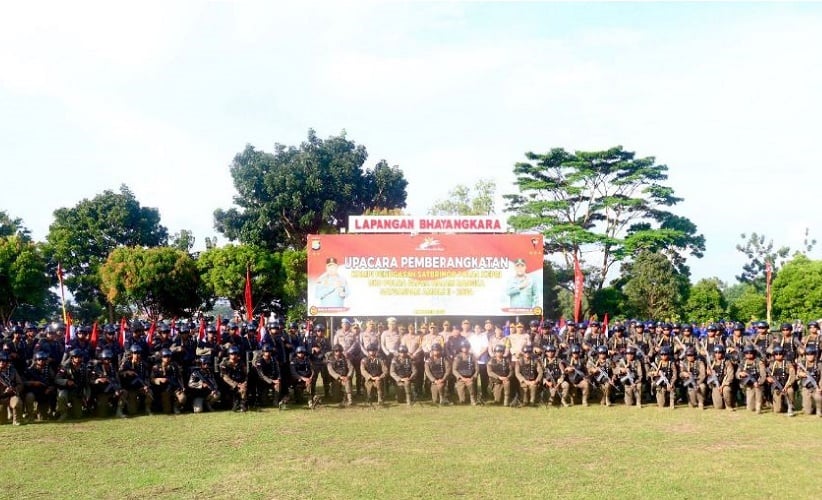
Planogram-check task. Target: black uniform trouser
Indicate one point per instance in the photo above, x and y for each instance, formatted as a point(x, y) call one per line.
point(483, 380)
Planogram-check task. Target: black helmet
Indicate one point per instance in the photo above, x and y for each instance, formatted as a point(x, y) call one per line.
point(401, 349)
point(165, 353)
point(374, 348)
point(719, 348)
point(630, 350)
point(41, 355)
point(713, 328)
point(602, 349)
point(666, 349)
point(690, 351)
point(85, 330)
point(551, 348)
point(688, 328)
point(810, 349)
point(575, 348)
point(777, 350)
point(762, 324)
point(75, 353)
point(292, 326)
point(136, 349)
point(527, 349)
point(4, 356)
point(788, 326)
point(211, 329)
point(205, 359)
point(109, 330)
point(137, 326)
point(338, 348)
point(184, 328)
point(465, 344)
point(319, 327)
point(497, 348)
point(164, 328)
point(234, 350)
point(300, 349)
point(438, 347)
point(19, 329)
point(749, 349)
point(267, 348)
point(813, 324)
point(107, 354)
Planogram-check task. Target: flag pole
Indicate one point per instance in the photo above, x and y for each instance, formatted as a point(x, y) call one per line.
point(62, 292)
point(768, 295)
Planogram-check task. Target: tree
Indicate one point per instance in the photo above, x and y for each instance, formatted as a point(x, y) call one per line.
point(10, 226)
point(296, 191)
point(463, 200)
point(81, 239)
point(609, 300)
point(705, 303)
point(758, 251)
point(550, 290)
point(652, 289)
point(23, 279)
point(160, 280)
point(797, 290)
point(607, 202)
point(746, 303)
point(278, 278)
point(184, 240)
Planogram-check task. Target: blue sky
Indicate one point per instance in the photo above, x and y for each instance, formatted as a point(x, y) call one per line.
point(160, 96)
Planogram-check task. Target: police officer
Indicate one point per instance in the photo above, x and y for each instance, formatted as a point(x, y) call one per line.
point(809, 371)
point(135, 377)
point(500, 371)
point(72, 381)
point(663, 376)
point(268, 377)
point(203, 386)
point(105, 385)
point(373, 371)
point(437, 369)
point(782, 377)
point(553, 378)
point(464, 368)
point(692, 378)
point(601, 370)
point(575, 372)
point(11, 391)
point(235, 376)
point(40, 388)
point(303, 377)
point(167, 381)
point(528, 370)
point(631, 373)
point(404, 372)
point(720, 379)
point(751, 376)
point(342, 371)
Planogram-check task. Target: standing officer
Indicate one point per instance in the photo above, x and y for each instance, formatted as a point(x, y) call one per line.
point(373, 371)
point(404, 371)
point(437, 369)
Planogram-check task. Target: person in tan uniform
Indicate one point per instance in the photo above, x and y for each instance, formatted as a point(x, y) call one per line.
point(720, 377)
point(529, 372)
point(437, 370)
point(601, 371)
point(808, 371)
point(374, 371)
point(500, 371)
point(575, 372)
point(692, 378)
point(496, 339)
point(553, 378)
point(751, 375)
point(631, 372)
point(464, 368)
point(663, 376)
point(11, 391)
point(403, 371)
point(781, 376)
point(341, 371)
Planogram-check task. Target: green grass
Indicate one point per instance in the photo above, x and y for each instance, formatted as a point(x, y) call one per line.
point(423, 451)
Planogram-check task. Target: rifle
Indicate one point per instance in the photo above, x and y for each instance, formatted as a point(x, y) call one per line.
point(662, 378)
point(749, 379)
point(602, 377)
point(779, 390)
point(810, 380)
point(690, 382)
point(8, 387)
point(712, 379)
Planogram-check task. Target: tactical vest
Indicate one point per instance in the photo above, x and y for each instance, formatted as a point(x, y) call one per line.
point(269, 368)
point(605, 366)
point(373, 366)
point(39, 375)
point(403, 367)
point(749, 367)
point(719, 370)
point(667, 369)
point(302, 367)
point(553, 367)
point(235, 372)
point(779, 371)
point(340, 365)
point(813, 370)
point(528, 369)
point(437, 368)
point(465, 365)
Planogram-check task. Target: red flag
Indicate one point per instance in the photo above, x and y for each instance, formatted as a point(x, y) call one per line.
point(605, 324)
point(94, 336)
point(68, 328)
point(150, 336)
point(579, 282)
point(121, 337)
point(201, 331)
point(249, 305)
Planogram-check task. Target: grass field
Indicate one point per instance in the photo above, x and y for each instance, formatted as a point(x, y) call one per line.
point(422, 451)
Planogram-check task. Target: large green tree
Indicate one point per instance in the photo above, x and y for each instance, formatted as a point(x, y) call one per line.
point(161, 280)
point(296, 191)
point(759, 250)
point(278, 280)
point(745, 302)
point(23, 281)
point(82, 237)
point(463, 200)
point(797, 290)
point(652, 288)
point(10, 226)
point(609, 204)
point(706, 303)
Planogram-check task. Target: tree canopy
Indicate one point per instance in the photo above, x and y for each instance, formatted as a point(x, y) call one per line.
point(652, 287)
point(296, 191)
point(609, 203)
point(797, 290)
point(463, 200)
point(23, 279)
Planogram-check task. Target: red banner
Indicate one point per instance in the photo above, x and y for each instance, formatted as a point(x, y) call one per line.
point(579, 283)
point(249, 304)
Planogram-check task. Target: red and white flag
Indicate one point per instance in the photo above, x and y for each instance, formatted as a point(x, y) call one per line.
point(579, 283)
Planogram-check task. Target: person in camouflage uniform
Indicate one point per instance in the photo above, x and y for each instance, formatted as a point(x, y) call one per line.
point(437, 370)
